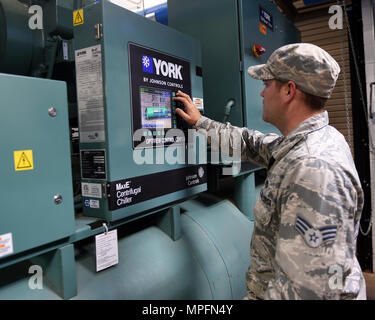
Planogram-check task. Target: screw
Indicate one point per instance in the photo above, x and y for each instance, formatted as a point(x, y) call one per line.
point(57, 199)
point(52, 112)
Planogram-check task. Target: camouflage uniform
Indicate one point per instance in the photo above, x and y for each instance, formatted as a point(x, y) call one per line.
point(307, 216)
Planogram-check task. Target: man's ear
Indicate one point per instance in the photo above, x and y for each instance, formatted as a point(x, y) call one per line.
point(289, 91)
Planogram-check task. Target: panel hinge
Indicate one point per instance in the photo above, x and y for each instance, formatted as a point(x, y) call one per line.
point(98, 31)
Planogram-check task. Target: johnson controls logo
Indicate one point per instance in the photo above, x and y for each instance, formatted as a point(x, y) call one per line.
point(167, 69)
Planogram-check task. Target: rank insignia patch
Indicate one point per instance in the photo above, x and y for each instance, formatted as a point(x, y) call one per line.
point(315, 237)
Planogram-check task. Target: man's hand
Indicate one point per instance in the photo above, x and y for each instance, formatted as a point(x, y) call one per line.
point(191, 114)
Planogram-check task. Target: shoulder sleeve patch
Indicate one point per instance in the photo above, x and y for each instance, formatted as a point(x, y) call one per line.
point(315, 237)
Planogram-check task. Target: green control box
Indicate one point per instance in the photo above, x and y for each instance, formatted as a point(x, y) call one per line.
point(136, 155)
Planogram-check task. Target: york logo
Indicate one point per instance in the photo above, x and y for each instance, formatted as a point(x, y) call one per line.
point(147, 64)
point(167, 69)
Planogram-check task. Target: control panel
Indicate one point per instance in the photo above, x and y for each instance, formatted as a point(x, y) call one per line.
point(155, 78)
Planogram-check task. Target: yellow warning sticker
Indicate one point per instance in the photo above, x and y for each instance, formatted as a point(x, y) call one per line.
point(23, 160)
point(78, 17)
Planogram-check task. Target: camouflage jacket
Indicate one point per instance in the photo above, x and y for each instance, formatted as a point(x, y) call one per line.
point(307, 216)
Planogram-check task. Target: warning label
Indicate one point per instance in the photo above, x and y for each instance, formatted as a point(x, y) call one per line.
point(78, 17)
point(23, 160)
point(198, 103)
point(263, 28)
point(6, 244)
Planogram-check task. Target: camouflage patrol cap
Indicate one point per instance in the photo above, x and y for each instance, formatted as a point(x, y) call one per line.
point(312, 69)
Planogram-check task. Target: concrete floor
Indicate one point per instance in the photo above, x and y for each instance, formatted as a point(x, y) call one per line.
point(370, 285)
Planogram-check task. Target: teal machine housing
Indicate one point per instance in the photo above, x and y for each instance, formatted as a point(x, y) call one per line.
point(36, 148)
point(179, 244)
point(228, 31)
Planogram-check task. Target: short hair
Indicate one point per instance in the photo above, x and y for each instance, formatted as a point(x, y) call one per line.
point(314, 102)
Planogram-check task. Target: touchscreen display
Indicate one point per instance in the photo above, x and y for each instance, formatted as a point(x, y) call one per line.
point(155, 108)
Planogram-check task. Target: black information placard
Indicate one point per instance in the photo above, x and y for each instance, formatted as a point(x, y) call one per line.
point(93, 164)
point(155, 77)
point(124, 193)
point(266, 18)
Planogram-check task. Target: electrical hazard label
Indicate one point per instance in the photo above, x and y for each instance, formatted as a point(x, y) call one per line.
point(23, 160)
point(78, 17)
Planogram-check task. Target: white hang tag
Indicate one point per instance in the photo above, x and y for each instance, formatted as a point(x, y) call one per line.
point(106, 246)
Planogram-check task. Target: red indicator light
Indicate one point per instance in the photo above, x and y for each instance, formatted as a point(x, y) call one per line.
point(258, 50)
